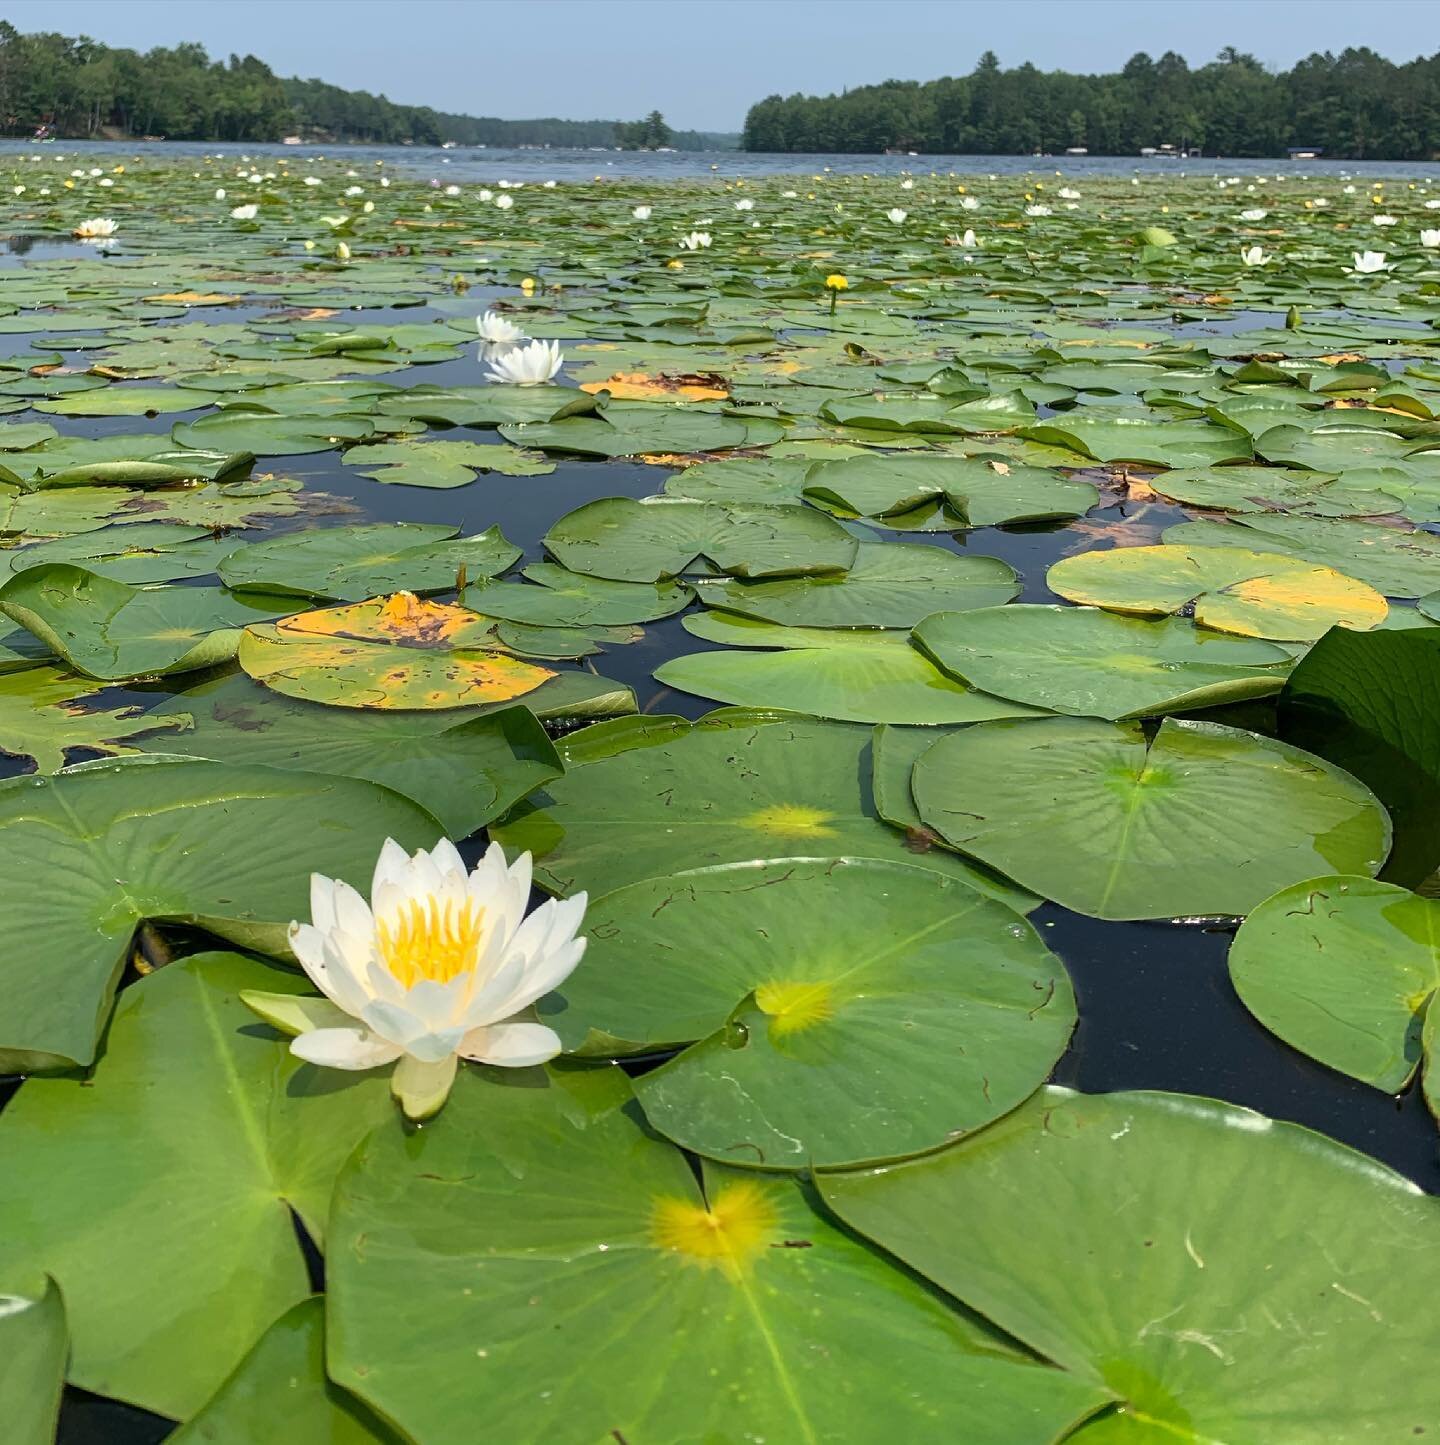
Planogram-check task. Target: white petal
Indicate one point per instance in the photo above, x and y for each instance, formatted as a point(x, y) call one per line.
point(392, 866)
point(352, 913)
point(328, 967)
point(322, 902)
point(511, 1045)
point(343, 1049)
point(543, 975)
point(447, 858)
point(422, 1088)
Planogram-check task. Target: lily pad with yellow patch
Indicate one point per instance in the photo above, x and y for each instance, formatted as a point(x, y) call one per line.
point(399, 652)
point(929, 1000)
point(1255, 594)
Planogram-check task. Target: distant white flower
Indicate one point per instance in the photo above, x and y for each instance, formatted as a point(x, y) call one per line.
point(1384, 220)
point(746, 205)
point(530, 365)
point(1037, 210)
point(497, 330)
point(449, 190)
point(1349, 190)
point(95, 229)
point(245, 213)
point(313, 181)
point(335, 222)
point(384, 180)
point(1430, 238)
point(642, 213)
point(788, 195)
point(1432, 205)
point(106, 182)
point(907, 185)
point(220, 194)
point(368, 207)
point(440, 965)
point(360, 190)
point(504, 203)
point(695, 241)
point(969, 203)
point(549, 185)
point(484, 194)
point(896, 214)
point(1368, 262)
point(1253, 255)
point(1067, 194)
point(967, 241)
point(1320, 202)
point(1253, 215)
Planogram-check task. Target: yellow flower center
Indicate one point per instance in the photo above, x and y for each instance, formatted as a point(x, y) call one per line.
point(431, 940)
point(731, 1233)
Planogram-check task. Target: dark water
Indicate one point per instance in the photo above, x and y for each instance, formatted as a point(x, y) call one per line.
point(487, 166)
point(1156, 1007)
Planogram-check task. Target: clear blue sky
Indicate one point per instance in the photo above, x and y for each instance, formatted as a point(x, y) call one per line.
point(703, 62)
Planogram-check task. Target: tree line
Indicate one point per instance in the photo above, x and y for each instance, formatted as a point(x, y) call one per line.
point(78, 88)
point(1356, 105)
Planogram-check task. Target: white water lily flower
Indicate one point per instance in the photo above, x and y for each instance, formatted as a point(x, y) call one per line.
point(1430, 238)
point(1253, 255)
point(969, 203)
point(1253, 215)
point(896, 214)
point(1385, 220)
point(1368, 262)
point(1432, 205)
point(1037, 210)
point(549, 185)
point(439, 966)
point(967, 241)
point(533, 364)
point(642, 213)
point(746, 205)
point(245, 213)
point(504, 202)
point(788, 195)
point(907, 185)
point(360, 190)
point(449, 190)
point(220, 194)
point(695, 241)
point(1067, 193)
point(497, 330)
point(313, 181)
point(97, 228)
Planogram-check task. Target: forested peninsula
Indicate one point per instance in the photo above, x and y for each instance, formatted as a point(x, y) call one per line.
point(1356, 105)
point(76, 88)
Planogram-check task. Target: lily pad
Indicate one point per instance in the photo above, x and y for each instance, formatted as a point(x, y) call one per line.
point(568, 599)
point(229, 849)
point(1255, 594)
point(949, 492)
point(1200, 820)
point(443, 463)
point(869, 677)
point(1095, 664)
point(269, 435)
point(558, 1210)
point(1146, 440)
point(176, 1249)
point(36, 1343)
point(398, 653)
point(940, 1009)
point(111, 630)
point(137, 552)
point(889, 584)
point(350, 564)
point(463, 771)
point(1021, 1224)
point(728, 790)
point(1345, 969)
point(658, 537)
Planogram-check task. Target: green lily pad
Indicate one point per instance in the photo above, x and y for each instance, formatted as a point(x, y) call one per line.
point(280, 1394)
point(549, 1191)
point(869, 677)
point(229, 849)
point(175, 1248)
point(1147, 440)
point(947, 492)
point(269, 435)
point(111, 630)
point(1395, 563)
point(127, 401)
point(36, 1343)
point(1345, 969)
point(569, 599)
point(1021, 1224)
point(443, 463)
point(650, 429)
point(1095, 664)
point(658, 537)
point(940, 1009)
point(137, 552)
point(643, 806)
point(464, 772)
point(352, 563)
point(1200, 820)
point(889, 584)
point(1272, 489)
point(1255, 594)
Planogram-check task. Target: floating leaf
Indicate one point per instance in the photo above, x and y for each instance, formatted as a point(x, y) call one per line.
point(1201, 820)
